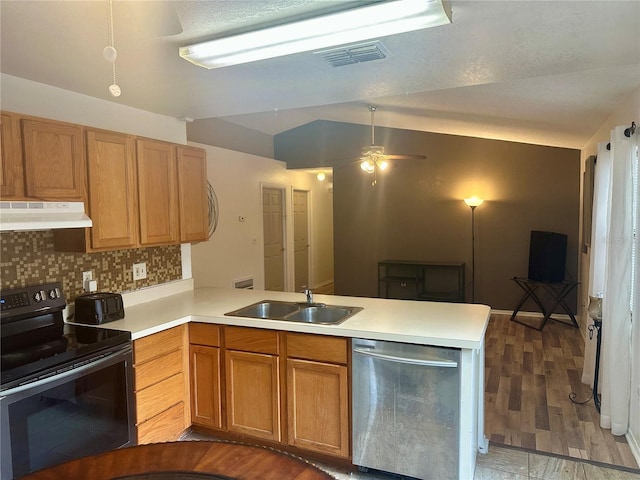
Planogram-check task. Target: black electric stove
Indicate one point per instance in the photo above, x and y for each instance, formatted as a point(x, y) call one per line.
point(36, 343)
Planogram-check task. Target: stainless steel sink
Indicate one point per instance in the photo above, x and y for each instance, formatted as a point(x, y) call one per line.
point(296, 312)
point(326, 314)
point(267, 309)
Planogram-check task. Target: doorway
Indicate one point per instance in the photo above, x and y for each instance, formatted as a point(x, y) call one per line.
point(301, 239)
point(273, 226)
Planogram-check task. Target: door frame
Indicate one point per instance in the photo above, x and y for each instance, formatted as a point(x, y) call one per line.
point(287, 230)
point(310, 263)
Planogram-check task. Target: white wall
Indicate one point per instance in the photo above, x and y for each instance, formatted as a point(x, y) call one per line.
point(235, 250)
point(31, 98)
point(627, 111)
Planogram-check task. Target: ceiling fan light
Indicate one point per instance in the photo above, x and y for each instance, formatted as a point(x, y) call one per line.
point(367, 165)
point(382, 164)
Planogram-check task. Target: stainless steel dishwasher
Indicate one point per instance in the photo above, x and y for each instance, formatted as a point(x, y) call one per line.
point(406, 407)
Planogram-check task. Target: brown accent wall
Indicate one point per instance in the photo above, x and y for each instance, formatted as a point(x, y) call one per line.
point(219, 133)
point(27, 258)
point(416, 209)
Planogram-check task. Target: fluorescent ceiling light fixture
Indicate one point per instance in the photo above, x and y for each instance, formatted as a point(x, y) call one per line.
point(354, 25)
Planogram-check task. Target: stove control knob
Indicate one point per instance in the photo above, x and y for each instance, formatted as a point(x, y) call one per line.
point(39, 296)
point(53, 294)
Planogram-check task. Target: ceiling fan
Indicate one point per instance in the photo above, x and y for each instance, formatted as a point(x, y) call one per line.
point(372, 157)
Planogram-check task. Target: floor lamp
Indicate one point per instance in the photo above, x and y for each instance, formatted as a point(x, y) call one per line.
point(473, 202)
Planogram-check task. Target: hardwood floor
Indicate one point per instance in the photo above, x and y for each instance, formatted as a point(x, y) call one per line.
point(528, 378)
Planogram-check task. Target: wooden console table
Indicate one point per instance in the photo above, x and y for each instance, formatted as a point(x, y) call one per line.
point(418, 280)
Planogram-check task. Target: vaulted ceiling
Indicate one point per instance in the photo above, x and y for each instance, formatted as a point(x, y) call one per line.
point(531, 71)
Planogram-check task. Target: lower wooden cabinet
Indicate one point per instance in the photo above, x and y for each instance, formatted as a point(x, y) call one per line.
point(206, 407)
point(252, 381)
point(291, 388)
point(162, 408)
point(318, 406)
point(318, 393)
point(206, 380)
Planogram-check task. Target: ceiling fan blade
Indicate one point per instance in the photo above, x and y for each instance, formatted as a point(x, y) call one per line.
point(391, 156)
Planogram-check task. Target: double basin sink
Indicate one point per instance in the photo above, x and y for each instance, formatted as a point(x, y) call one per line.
point(305, 312)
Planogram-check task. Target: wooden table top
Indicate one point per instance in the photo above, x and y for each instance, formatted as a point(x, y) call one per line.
point(158, 460)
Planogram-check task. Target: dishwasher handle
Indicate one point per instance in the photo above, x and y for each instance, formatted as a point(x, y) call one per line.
point(409, 361)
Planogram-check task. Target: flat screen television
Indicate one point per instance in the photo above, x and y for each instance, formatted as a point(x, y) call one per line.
point(547, 256)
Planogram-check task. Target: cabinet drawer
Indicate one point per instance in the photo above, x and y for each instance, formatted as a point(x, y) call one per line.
point(164, 427)
point(251, 340)
point(317, 347)
point(204, 334)
point(153, 371)
point(157, 344)
point(159, 397)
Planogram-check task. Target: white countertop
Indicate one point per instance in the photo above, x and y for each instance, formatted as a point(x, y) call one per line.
point(455, 325)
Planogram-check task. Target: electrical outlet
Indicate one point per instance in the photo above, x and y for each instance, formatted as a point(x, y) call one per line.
point(86, 278)
point(139, 271)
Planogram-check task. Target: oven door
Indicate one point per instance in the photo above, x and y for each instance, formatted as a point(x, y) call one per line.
point(80, 410)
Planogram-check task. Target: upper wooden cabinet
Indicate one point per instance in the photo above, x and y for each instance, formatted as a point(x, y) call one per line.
point(11, 166)
point(54, 161)
point(112, 189)
point(192, 193)
point(41, 159)
point(157, 192)
point(138, 192)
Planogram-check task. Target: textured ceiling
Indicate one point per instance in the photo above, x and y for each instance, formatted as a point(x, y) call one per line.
point(531, 71)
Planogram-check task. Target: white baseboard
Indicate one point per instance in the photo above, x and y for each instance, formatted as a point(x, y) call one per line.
point(563, 316)
point(634, 445)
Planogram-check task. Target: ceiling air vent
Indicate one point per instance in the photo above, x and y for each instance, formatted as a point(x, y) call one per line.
point(361, 52)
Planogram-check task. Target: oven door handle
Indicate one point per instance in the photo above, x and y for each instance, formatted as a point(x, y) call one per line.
point(61, 375)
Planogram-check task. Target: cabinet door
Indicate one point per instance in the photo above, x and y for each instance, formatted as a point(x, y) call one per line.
point(112, 189)
point(253, 394)
point(192, 195)
point(11, 170)
point(157, 193)
point(318, 406)
point(205, 386)
point(54, 160)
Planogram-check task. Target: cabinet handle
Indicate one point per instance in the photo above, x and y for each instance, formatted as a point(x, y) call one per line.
point(407, 360)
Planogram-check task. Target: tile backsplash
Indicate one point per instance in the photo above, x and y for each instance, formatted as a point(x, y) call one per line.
point(28, 258)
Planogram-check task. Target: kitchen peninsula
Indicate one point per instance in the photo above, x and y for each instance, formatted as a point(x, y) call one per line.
point(458, 326)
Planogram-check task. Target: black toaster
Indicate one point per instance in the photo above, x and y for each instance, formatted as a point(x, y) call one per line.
point(97, 308)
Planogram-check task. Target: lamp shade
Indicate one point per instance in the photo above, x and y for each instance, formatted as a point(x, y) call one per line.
point(473, 201)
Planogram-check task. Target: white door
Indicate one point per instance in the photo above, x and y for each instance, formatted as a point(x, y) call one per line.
point(273, 214)
point(301, 239)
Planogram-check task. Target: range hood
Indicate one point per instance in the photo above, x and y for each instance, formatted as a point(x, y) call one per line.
point(21, 216)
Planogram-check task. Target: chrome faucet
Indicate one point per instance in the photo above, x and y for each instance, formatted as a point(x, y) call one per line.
point(309, 294)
